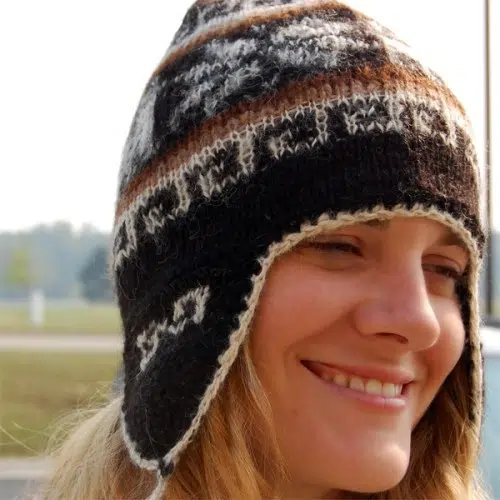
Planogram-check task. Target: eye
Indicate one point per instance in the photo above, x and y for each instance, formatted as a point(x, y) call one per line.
point(449, 272)
point(445, 271)
point(339, 254)
point(335, 246)
point(443, 279)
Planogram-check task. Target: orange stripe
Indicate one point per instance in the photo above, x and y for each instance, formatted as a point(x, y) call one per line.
point(322, 87)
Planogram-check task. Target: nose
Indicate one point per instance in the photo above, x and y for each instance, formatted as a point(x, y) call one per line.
point(397, 306)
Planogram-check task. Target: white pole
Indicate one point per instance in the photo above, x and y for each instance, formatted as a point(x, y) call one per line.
point(488, 147)
point(37, 307)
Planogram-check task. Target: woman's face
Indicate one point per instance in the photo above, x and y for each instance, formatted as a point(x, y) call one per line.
point(355, 332)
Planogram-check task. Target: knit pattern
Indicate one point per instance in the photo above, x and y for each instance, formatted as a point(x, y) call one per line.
point(265, 122)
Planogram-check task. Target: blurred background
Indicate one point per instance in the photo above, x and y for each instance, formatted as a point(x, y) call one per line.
point(72, 75)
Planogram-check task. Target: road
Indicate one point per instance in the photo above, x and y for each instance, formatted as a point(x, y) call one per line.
point(16, 489)
point(20, 477)
point(61, 342)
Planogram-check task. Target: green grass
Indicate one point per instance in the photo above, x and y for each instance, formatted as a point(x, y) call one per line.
point(91, 319)
point(38, 388)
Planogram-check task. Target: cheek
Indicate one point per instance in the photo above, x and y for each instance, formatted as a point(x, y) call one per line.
point(298, 301)
point(442, 357)
point(445, 354)
point(282, 318)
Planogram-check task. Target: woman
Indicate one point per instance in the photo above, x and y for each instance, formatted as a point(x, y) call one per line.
point(296, 253)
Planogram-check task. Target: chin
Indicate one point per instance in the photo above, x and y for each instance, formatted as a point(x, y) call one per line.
point(378, 474)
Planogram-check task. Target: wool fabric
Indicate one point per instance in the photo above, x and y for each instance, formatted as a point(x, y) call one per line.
point(266, 122)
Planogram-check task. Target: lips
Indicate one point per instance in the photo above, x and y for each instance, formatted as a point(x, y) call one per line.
point(387, 383)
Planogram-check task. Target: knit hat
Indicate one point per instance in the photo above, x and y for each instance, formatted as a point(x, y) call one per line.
point(266, 122)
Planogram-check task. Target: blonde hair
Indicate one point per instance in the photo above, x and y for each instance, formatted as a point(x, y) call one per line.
point(235, 453)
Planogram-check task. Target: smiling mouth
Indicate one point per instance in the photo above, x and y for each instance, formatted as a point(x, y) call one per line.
point(368, 386)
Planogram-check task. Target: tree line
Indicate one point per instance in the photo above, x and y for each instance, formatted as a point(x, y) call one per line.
point(66, 263)
point(58, 259)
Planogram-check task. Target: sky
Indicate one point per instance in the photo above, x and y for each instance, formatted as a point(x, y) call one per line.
point(73, 73)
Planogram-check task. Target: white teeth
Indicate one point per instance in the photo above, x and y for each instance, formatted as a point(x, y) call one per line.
point(389, 390)
point(374, 387)
point(357, 384)
point(341, 380)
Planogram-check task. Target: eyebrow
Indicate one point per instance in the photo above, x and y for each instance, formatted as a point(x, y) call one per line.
point(452, 239)
point(448, 239)
point(378, 223)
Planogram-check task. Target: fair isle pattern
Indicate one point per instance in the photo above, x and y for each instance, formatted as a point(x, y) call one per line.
point(140, 147)
point(205, 18)
point(229, 159)
point(264, 58)
point(266, 122)
point(307, 230)
point(189, 308)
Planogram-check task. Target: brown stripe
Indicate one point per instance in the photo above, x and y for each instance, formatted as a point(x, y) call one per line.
point(206, 2)
point(249, 21)
point(363, 80)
